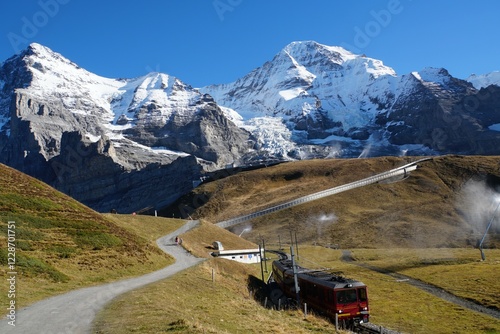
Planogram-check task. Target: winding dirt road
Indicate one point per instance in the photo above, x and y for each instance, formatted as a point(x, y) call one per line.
point(73, 312)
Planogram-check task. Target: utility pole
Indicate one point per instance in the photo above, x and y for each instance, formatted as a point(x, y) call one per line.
point(261, 268)
point(297, 288)
point(265, 257)
point(296, 245)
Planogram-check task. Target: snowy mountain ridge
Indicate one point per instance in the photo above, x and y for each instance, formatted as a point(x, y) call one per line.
point(485, 80)
point(309, 101)
point(330, 97)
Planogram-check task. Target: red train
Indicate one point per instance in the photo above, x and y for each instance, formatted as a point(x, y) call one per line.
point(324, 292)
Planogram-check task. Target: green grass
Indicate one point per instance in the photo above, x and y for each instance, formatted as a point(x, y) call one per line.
point(95, 239)
point(62, 245)
point(399, 306)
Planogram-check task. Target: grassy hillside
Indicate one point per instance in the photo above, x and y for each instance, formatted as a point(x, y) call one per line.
point(445, 203)
point(215, 297)
point(61, 244)
point(212, 297)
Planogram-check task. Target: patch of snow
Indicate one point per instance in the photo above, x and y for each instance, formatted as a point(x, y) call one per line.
point(291, 93)
point(164, 150)
point(433, 75)
point(92, 137)
point(494, 127)
point(417, 75)
point(271, 133)
point(332, 139)
point(232, 115)
point(485, 80)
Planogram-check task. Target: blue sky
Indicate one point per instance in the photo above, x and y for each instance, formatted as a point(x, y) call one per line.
point(217, 41)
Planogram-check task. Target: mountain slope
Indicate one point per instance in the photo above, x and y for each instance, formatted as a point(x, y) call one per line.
point(137, 142)
point(61, 244)
point(352, 105)
point(447, 202)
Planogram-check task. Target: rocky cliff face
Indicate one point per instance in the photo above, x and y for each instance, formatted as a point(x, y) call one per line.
point(129, 144)
point(89, 171)
point(112, 144)
point(445, 114)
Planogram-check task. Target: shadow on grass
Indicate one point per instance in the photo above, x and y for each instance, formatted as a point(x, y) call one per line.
point(269, 295)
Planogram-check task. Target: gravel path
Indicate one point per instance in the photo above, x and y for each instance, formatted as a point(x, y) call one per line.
point(73, 312)
point(432, 289)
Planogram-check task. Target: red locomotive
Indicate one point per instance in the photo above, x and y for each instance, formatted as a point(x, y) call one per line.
point(324, 292)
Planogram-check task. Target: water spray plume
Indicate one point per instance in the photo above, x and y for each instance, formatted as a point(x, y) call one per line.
point(365, 152)
point(246, 229)
point(481, 204)
point(483, 257)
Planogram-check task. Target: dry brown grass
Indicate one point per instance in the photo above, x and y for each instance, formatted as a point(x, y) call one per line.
point(418, 212)
point(199, 241)
point(457, 270)
point(191, 302)
point(421, 211)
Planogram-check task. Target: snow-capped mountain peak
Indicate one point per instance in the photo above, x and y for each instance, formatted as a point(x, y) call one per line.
point(485, 80)
point(69, 98)
point(315, 56)
point(318, 91)
point(55, 76)
point(308, 53)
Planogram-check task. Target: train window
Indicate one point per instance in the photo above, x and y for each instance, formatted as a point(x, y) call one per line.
point(347, 296)
point(362, 295)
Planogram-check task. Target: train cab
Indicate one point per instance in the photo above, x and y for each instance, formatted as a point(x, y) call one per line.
point(352, 303)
